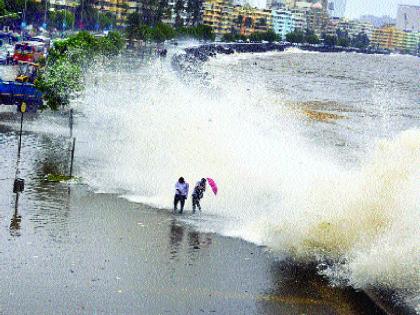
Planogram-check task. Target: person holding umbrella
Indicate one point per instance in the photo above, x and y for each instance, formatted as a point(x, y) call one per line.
point(197, 194)
point(199, 190)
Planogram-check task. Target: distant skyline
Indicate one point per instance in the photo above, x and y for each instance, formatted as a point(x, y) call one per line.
point(356, 8)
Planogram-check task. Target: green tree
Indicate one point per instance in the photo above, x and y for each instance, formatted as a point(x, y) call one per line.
point(149, 12)
point(3, 10)
point(162, 10)
point(179, 10)
point(194, 12)
point(34, 10)
point(62, 76)
point(86, 14)
point(361, 41)
point(269, 36)
point(107, 20)
point(343, 38)
point(312, 39)
point(343, 42)
point(229, 37)
point(60, 19)
point(330, 40)
point(133, 24)
point(297, 36)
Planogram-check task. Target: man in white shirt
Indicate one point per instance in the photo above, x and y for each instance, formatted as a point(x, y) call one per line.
point(181, 193)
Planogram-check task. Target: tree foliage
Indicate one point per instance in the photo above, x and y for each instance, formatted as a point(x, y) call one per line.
point(361, 41)
point(136, 29)
point(312, 39)
point(268, 36)
point(34, 13)
point(62, 76)
point(330, 40)
point(297, 36)
point(61, 19)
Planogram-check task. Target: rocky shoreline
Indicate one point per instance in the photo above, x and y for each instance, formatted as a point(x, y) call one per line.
point(204, 52)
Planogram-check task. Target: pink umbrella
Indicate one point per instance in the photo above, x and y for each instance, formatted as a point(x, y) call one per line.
point(212, 184)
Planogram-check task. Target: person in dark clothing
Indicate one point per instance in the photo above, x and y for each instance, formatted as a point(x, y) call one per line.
point(181, 194)
point(198, 193)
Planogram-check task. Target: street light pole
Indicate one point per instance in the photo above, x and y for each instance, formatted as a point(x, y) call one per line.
point(24, 11)
point(23, 25)
point(19, 183)
point(45, 14)
point(82, 8)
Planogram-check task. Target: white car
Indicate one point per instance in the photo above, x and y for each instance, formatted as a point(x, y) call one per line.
point(3, 57)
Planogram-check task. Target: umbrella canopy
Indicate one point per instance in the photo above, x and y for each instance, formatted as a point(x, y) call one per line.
point(212, 184)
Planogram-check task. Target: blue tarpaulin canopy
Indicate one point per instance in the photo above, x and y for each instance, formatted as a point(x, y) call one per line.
point(15, 93)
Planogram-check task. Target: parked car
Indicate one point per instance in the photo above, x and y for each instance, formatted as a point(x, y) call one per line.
point(3, 57)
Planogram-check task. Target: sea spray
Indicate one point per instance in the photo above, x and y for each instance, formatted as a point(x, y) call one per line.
point(145, 127)
point(366, 218)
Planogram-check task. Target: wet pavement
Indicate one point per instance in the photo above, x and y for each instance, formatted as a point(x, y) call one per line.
point(99, 254)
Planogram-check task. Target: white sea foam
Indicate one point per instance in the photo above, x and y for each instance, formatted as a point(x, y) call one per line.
point(276, 189)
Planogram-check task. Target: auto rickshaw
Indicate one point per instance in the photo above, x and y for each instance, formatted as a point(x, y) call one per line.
point(27, 72)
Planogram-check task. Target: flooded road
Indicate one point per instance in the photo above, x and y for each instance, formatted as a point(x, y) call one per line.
point(66, 249)
point(317, 181)
point(99, 254)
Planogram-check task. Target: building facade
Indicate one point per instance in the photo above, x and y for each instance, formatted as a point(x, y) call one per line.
point(225, 18)
point(120, 8)
point(412, 43)
point(388, 37)
point(317, 18)
point(218, 14)
point(408, 18)
point(283, 22)
point(336, 8)
point(355, 27)
point(247, 20)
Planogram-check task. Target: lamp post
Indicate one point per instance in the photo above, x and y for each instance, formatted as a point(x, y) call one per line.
point(19, 183)
point(23, 25)
point(45, 15)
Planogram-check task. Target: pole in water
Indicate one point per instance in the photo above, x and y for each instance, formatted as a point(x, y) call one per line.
point(72, 157)
point(71, 123)
point(19, 183)
point(22, 110)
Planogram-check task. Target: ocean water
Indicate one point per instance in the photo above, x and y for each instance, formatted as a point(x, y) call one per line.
point(316, 155)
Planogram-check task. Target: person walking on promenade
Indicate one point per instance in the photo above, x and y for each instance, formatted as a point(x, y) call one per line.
point(181, 193)
point(197, 194)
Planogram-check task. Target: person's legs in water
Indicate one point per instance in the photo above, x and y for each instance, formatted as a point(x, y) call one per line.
point(198, 204)
point(194, 202)
point(176, 200)
point(182, 200)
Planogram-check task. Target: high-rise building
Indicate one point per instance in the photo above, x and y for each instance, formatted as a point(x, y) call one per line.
point(248, 20)
point(283, 22)
point(317, 17)
point(218, 15)
point(412, 43)
point(388, 37)
point(377, 21)
point(408, 18)
point(355, 27)
point(225, 18)
point(299, 19)
point(336, 8)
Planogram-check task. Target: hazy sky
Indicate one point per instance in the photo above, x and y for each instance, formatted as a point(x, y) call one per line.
point(355, 8)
